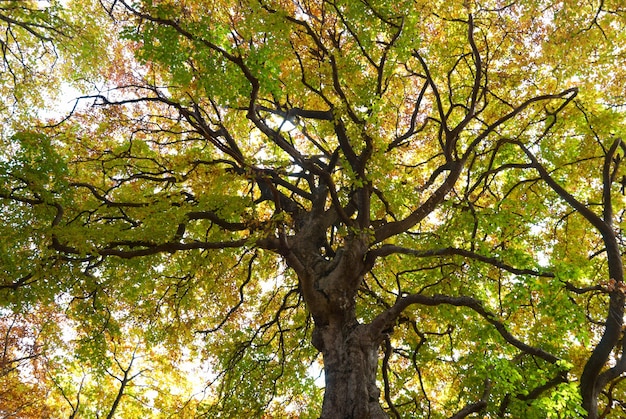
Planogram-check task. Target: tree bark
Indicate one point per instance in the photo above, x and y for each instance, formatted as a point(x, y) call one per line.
point(350, 367)
point(349, 348)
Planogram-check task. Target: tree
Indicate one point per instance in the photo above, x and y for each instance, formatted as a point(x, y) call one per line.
point(426, 194)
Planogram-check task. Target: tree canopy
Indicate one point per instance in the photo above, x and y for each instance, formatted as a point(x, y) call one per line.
point(312, 208)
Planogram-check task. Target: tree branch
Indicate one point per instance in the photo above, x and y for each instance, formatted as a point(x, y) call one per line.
point(389, 249)
point(476, 406)
point(386, 319)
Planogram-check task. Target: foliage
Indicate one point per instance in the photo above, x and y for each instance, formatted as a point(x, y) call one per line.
point(251, 198)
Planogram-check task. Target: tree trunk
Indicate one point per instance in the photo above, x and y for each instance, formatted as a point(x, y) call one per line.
point(593, 380)
point(349, 349)
point(350, 366)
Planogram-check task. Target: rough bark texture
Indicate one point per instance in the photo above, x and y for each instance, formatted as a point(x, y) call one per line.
point(350, 349)
point(350, 366)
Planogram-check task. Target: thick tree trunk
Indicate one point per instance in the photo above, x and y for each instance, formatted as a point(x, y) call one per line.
point(350, 366)
point(595, 377)
point(593, 380)
point(349, 349)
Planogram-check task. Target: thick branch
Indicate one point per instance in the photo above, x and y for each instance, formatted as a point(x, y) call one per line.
point(476, 406)
point(389, 249)
point(170, 247)
point(397, 227)
point(386, 319)
point(607, 181)
point(589, 215)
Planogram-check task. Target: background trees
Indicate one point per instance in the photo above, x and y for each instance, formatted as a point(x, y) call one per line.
point(427, 195)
